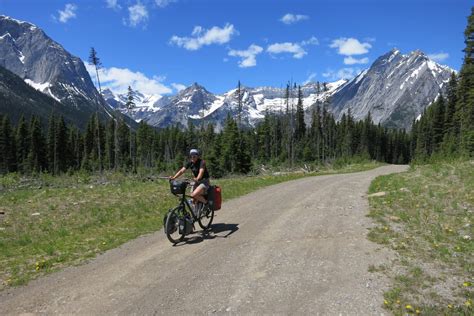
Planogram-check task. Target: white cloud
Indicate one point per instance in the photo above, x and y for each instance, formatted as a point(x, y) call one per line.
point(138, 13)
point(350, 46)
point(292, 48)
point(164, 3)
point(113, 4)
point(344, 73)
point(248, 56)
point(310, 78)
point(201, 37)
point(351, 60)
point(118, 80)
point(178, 86)
point(439, 57)
point(312, 41)
point(68, 13)
point(293, 18)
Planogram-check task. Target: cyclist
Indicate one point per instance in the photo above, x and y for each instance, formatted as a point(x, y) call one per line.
point(201, 175)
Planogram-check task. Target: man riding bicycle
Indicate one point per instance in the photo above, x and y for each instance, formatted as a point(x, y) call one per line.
point(201, 175)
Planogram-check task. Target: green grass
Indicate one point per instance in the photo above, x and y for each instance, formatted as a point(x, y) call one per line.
point(426, 217)
point(53, 222)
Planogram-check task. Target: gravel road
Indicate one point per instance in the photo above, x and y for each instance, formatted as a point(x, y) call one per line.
point(298, 247)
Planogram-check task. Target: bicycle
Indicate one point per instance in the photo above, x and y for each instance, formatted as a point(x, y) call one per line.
point(180, 220)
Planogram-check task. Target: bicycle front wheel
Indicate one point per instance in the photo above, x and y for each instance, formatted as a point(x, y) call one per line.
point(205, 217)
point(172, 230)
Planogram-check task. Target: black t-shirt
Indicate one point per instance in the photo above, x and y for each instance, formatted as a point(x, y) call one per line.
point(196, 166)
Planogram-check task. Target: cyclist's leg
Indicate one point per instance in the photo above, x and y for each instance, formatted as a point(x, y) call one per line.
point(198, 193)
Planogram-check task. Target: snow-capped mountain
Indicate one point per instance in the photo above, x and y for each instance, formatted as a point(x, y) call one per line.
point(45, 65)
point(196, 104)
point(395, 89)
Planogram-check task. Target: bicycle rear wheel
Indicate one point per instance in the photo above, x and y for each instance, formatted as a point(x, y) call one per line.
point(205, 217)
point(173, 220)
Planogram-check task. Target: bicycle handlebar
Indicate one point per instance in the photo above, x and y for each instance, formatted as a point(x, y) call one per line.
point(189, 181)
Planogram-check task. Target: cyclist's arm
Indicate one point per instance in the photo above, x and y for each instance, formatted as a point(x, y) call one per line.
point(179, 173)
point(201, 171)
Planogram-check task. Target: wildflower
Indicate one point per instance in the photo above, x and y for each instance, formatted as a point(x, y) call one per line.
point(418, 311)
point(468, 303)
point(450, 305)
point(409, 307)
point(103, 243)
point(386, 302)
point(398, 301)
point(466, 237)
point(466, 284)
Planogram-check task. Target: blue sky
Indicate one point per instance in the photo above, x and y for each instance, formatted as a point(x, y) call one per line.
point(159, 46)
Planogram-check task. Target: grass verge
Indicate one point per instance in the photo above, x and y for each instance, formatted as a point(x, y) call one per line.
point(426, 217)
point(53, 222)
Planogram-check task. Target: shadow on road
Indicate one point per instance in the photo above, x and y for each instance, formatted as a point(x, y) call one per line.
point(221, 230)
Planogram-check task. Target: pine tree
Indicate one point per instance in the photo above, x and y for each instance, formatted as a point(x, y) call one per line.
point(130, 104)
point(95, 60)
point(62, 145)
point(37, 154)
point(239, 106)
point(300, 123)
point(51, 144)
point(110, 144)
point(22, 145)
point(230, 145)
point(7, 147)
point(439, 111)
point(465, 103)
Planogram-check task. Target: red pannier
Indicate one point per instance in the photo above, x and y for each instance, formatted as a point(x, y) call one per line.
point(215, 197)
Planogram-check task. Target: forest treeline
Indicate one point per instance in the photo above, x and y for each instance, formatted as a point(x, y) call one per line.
point(279, 140)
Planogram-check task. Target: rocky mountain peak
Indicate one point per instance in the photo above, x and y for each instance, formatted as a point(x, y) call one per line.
point(45, 65)
point(395, 89)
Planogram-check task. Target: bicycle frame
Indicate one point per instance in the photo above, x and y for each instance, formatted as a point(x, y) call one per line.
point(185, 205)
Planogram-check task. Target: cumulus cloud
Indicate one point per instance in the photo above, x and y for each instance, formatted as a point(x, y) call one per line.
point(344, 73)
point(350, 46)
point(292, 48)
point(439, 57)
point(164, 3)
point(68, 13)
point(113, 4)
point(352, 61)
point(137, 14)
point(248, 56)
point(178, 86)
point(202, 37)
point(118, 80)
point(312, 41)
point(290, 18)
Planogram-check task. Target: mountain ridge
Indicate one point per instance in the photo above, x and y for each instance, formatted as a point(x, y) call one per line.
point(395, 89)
